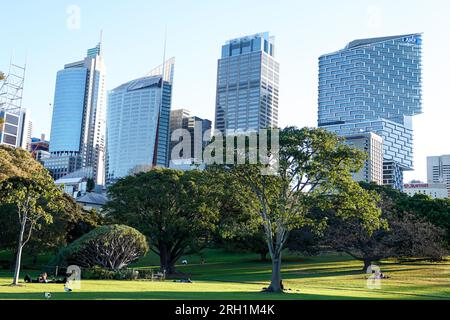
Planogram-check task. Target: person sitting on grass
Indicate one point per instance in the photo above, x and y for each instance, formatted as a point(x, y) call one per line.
point(43, 278)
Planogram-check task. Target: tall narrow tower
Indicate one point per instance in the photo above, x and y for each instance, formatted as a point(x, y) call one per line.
point(78, 124)
point(247, 85)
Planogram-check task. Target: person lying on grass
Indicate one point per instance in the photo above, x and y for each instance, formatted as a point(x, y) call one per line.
point(43, 278)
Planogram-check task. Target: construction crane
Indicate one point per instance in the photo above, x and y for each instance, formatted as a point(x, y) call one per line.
point(11, 89)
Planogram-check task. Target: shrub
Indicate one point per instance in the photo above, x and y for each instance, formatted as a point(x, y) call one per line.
point(110, 247)
point(98, 273)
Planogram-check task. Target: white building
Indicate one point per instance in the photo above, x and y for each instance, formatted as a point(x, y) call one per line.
point(433, 190)
point(438, 170)
point(138, 120)
point(75, 187)
point(372, 145)
point(16, 130)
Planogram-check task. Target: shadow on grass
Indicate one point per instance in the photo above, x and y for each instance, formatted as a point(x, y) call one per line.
point(168, 295)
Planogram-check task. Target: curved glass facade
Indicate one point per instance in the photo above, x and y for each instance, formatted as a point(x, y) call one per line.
point(68, 110)
point(137, 131)
point(375, 85)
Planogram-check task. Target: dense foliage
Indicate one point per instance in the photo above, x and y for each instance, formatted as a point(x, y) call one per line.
point(174, 209)
point(112, 247)
point(314, 170)
point(37, 217)
point(408, 231)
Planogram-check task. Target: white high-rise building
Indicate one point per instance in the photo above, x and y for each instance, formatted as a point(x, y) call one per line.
point(138, 122)
point(372, 145)
point(438, 170)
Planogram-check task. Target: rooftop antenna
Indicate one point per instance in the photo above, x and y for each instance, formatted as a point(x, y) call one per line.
point(164, 54)
point(163, 70)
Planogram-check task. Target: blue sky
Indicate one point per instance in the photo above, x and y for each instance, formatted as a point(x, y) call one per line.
point(38, 32)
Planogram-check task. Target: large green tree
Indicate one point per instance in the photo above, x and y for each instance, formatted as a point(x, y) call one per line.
point(70, 222)
point(111, 247)
point(16, 162)
point(174, 209)
point(405, 234)
point(238, 229)
point(32, 200)
point(436, 211)
point(314, 170)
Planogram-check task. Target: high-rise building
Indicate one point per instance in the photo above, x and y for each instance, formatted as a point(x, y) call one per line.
point(247, 85)
point(438, 170)
point(138, 124)
point(197, 128)
point(374, 85)
point(78, 123)
point(372, 145)
point(176, 122)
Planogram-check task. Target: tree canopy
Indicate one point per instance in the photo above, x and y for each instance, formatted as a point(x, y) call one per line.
point(32, 200)
point(17, 162)
point(111, 247)
point(314, 170)
point(174, 209)
point(407, 233)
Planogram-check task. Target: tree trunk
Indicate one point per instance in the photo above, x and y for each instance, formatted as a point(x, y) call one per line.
point(275, 284)
point(165, 261)
point(367, 264)
point(19, 252)
point(163, 258)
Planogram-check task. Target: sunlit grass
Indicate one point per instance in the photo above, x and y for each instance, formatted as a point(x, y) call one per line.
point(242, 276)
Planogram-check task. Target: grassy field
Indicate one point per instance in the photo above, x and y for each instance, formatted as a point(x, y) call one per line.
point(242, 276)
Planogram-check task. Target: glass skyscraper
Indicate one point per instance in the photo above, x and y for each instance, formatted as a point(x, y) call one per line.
point(138, 124)
point(247, 85)
point(374, 85)
point(78, 124)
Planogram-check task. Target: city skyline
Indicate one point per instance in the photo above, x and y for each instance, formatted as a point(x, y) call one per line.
point(297, 52)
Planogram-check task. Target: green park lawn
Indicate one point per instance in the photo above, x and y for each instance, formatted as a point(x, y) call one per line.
point(241, 276)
